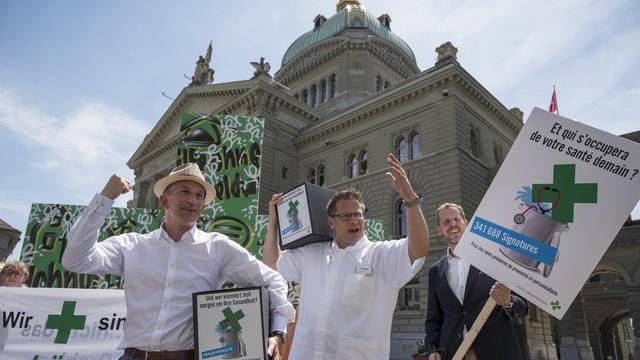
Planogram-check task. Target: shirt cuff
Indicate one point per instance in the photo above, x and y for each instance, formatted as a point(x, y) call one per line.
point(279, 323)
point(101, 204)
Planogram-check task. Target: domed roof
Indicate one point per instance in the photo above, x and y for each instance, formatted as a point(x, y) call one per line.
point(349, 17)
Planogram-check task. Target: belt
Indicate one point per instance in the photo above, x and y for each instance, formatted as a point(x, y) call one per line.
point(135, 354)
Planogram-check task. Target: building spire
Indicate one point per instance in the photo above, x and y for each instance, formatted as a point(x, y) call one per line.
point(343, 3)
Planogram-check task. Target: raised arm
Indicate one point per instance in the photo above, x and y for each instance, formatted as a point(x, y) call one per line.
point(271, 248)
point(417, 234)
point(82, 254)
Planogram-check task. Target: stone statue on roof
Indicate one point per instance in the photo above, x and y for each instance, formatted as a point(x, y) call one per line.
point(203, 74)
point(262, 68)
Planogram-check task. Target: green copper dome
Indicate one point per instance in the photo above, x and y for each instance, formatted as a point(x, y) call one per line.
point(349, 17)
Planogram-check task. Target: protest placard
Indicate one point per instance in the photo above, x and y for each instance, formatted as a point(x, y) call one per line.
point(554, 207)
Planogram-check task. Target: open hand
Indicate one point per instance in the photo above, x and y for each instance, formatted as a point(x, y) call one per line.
point(397, 177)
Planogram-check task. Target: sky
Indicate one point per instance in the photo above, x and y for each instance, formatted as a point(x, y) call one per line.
point(82, 82)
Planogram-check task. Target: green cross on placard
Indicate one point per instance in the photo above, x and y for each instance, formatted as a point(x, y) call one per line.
point(65, 322)
point(564, 180)
point(232, 319)
point(293, 206)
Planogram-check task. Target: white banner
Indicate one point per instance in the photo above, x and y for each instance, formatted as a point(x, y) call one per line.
point(554, 207)
point(61, 324)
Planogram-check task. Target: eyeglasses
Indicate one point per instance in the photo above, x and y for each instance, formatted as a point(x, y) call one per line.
point(11, 273)
point(447, 222)
point(348, 216)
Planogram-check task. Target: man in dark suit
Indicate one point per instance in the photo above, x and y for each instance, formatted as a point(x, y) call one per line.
point(457, 293)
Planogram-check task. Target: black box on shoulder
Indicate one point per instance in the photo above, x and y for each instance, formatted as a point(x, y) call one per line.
point(302, 216)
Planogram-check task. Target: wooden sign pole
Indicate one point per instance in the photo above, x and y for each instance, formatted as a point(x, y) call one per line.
point(475, 329)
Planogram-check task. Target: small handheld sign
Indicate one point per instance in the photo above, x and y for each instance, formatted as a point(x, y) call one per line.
point(231, 323)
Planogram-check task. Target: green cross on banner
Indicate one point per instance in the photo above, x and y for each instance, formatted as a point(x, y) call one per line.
point(570, 193)
point(293, 206)
point(232, 319)
point(65, 322)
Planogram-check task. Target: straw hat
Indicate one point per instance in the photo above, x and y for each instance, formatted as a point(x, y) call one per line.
point(185, 172)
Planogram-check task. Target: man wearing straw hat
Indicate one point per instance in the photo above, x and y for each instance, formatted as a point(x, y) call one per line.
point(163, 268)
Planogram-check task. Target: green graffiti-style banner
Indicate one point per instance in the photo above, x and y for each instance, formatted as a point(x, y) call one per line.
point(374, 229)
point(228, 150)
point(46, 238)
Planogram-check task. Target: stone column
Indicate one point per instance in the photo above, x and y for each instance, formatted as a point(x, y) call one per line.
point(574, 334)
point(634, 313)
point(141, 193)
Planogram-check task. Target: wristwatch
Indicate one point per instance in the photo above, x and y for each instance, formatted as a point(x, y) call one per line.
point(279, 334)
point(412, 203)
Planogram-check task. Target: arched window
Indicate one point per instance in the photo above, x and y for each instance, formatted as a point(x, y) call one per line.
point(323, 90)
point(364, 156)
point(314, 95)
point(297, 96)
point(401, 216)
point(414, 140)
point(305, 96)
point(311, 176)
point(332, 86)
point(321, 175)
point(474, 140)
point(386, 84)
point(402, 149)
point(378, 83)
point(353, 166)
point(604, 276)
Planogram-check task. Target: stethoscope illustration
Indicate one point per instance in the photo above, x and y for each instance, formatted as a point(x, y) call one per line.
point(519, 218)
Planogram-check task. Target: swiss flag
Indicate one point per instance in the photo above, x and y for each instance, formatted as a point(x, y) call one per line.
point(553, 107)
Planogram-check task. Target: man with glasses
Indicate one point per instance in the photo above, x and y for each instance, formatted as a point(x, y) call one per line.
point(457, 293)
point(350, 285)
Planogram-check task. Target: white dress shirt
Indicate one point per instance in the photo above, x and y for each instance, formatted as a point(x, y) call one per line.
point(457, 273)
point(347, 297)
point(161, 275)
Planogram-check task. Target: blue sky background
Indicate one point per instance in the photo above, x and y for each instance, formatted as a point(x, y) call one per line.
point(81, 82)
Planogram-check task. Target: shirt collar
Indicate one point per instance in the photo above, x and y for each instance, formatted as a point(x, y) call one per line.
point(189, 236)
point(450, 256)
point(359, 245)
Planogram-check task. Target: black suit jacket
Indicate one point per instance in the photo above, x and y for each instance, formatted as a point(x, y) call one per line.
point(446, 317)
